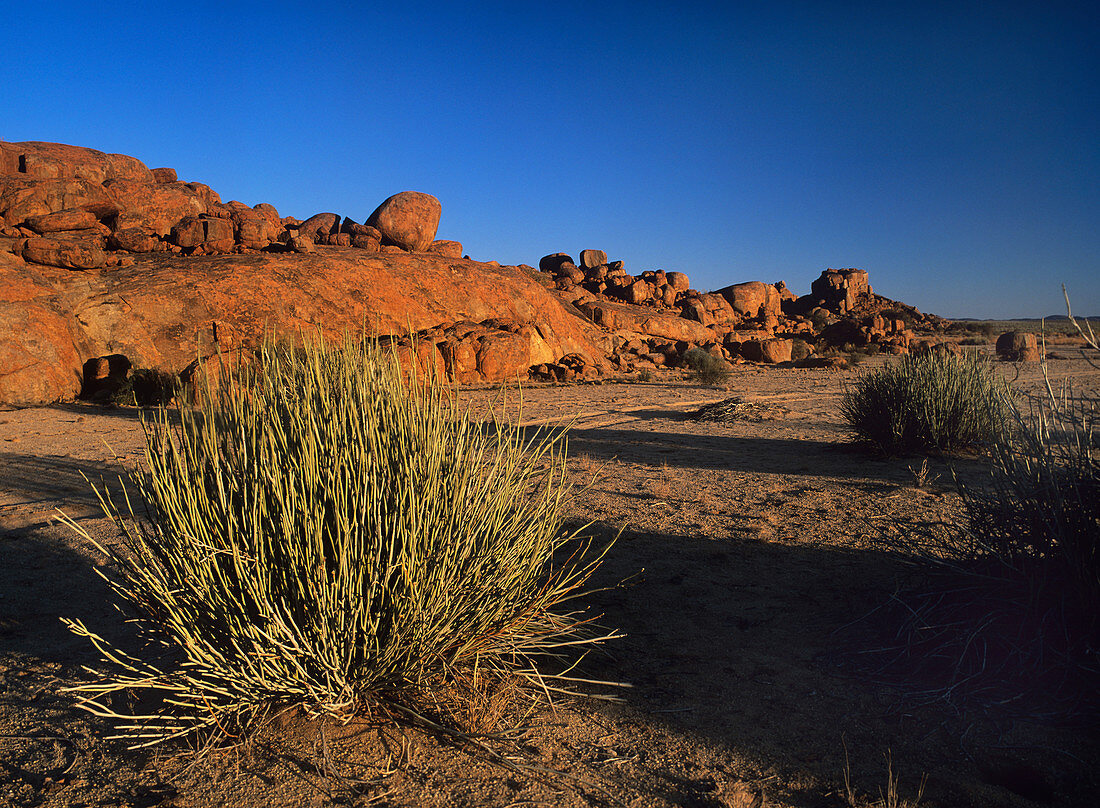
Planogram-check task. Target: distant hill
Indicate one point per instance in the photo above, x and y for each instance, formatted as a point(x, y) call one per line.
point(1094, 318)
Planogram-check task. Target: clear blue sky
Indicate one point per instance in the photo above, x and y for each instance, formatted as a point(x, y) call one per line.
point(951, 149)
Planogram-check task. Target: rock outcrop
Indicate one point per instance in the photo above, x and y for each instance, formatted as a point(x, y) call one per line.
point(166, 310)
point(108, 266)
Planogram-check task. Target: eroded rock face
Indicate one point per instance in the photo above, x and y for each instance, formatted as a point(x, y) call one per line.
point(38, 160)
point(166, 310)
point(841, 290)
point(753, 299)
point(408, 220)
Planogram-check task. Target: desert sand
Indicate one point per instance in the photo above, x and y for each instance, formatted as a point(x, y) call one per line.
point(746, 578)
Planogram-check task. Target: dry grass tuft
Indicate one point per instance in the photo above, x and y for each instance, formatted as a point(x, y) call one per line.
point(321, 532)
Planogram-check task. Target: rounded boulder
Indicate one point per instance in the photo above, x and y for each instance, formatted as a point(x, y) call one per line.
point(408, 219)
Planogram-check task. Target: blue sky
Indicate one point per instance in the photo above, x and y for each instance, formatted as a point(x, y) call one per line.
point(950, 149)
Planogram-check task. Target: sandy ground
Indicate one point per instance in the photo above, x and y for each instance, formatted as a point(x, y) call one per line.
point(751, 551)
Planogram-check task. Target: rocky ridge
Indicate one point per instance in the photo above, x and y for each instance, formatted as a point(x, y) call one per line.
point(108, 265)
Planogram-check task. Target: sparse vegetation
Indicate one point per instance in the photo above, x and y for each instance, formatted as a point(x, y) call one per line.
point(1009, 604)
point(928, 402)
point(321, 533)
point(145, 387)
point(705, 367)
point(888, 797)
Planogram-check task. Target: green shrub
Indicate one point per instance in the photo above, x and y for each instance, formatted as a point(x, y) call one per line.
point(933, 401)
point(322, 533)
point(705, 367)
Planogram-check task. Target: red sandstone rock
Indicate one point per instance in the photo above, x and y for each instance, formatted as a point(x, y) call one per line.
point(369, 243)
point(66, 254)
point(653, 322)
point(165, 175)
point(132, 239)
point(253, 230)
point(39, 356)
point(22, 198)
point(270, 213)
point(710, 309)
point(770, 351)
point(408, 219)
point(188, 232)
point(638, 292)
point(158, 206)
point(160, 313)
point(678, 281)
point(320, 224)
point(841, 290)
point(1018, 346)
point(753, 299)
point(552, 263)
point(302, 244)
point(38, 160)
point(71, 219)
point(593, 258)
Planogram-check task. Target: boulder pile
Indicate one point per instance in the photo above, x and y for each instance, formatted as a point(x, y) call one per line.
point(110, 270)
point(78, 208)
point(655, 317)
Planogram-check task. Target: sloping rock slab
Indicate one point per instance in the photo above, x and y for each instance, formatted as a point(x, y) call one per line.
point(166, 310)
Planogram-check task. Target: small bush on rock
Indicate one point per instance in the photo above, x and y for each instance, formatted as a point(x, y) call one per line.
point(933, 401)
point(321, 532)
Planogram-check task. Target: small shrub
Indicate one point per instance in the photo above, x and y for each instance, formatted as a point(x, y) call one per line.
point(1006, 607)
point(705, 367)
point(146, 387)
point(153, 388)
point(933, 401)
point(320, 532)
point(645, 375)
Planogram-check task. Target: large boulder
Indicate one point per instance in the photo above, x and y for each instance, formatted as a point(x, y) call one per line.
point(133, 239)
point(71, 219)
point(553, 262)
point(769, 351)
point(318, 225)
point(710, 309)
point(64, 253)
point(753, 299)
point(40, 348)
point(1018, 346)
point(445, 248)
point(590, 259)
point(408, 220)
point(642, 320)
point(157, 206)
point(51, 161)
point(21, 199)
